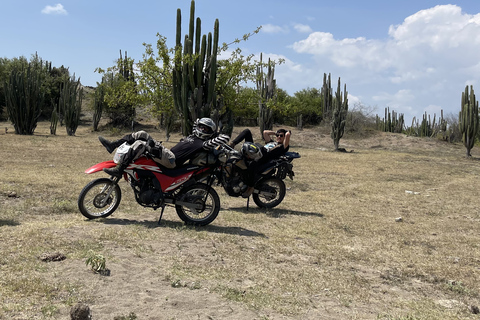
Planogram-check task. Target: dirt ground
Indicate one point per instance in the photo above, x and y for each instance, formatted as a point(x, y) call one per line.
point(137, 281)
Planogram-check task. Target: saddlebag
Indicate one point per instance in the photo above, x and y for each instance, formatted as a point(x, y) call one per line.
point(284, 169)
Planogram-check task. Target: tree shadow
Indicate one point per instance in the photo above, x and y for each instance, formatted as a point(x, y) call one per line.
point(275, 212)
point(164, 223)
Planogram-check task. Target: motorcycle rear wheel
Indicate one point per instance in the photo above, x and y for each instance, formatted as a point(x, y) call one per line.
point(202, 195)
point(270, 194)
point(91, 198)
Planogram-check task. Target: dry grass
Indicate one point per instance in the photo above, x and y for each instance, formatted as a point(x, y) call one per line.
point(334, 249)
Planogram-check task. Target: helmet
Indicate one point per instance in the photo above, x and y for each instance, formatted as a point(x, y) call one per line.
point(251, 151)
point(204, 128)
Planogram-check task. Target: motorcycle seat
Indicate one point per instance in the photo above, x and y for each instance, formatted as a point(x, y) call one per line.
point(178, 171)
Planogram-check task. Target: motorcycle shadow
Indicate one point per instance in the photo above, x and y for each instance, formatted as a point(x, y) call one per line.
point(275, 212)
point(178, 224)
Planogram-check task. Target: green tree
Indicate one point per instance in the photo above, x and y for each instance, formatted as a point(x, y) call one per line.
point(120, 91)
point(308, 104)
point(155, 81)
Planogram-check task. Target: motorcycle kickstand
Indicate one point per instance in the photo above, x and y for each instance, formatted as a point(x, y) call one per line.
point(161, 214)
point(248, 202)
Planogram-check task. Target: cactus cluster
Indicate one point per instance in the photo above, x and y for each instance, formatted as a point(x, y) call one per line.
point(24, 98)
point(266, 87)
point(339, 115)
point(468, 119)
point(429, 128)
point(195, 71)
point(393, 122)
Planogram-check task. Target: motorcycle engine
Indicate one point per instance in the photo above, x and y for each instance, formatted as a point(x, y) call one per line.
point(233, 182)
point(148, 194)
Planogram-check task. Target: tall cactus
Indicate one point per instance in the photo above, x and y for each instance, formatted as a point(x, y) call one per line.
point(98, 105)
point(327, 97)
point(24, 98)
point(339, 116)
point(195, 72)
point(266, 87)
point(468, 119)
point(70, 103)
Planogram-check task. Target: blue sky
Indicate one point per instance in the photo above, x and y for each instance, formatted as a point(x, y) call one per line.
point(412, 56)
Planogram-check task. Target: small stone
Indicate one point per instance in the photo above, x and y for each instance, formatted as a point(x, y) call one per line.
point(475, 309)
point(12, 194)
point(399, 219)
point(52, 256)
point(80, 311)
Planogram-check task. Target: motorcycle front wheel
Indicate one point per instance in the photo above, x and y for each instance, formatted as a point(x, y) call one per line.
point(198, 204)
point(94, 200)
point(270, 194)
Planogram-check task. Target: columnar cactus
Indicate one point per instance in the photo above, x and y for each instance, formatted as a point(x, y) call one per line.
point(195, 72)
point(468, 119)
point(327, 96)
point(393, 122)
point(266, 87)
point(70, 103)
point(98, 105)
point(339, 116)
point(24, 97)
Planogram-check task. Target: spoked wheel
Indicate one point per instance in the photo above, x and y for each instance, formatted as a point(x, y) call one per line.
point(198, 204)
point(99, 198)
point(270, 193)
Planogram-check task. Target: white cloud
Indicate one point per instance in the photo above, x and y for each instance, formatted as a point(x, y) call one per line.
point(423, 65)
point(270, 28)
point(56, 9)
point(302, 28)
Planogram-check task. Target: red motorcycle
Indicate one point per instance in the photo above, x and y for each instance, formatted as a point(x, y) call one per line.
point(155, 187)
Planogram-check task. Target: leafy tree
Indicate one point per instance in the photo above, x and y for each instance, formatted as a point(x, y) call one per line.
point(232, 74)
point(155, 82)
point(244, 104)
point(284, 108)
point(308, 103)
point(121, 92)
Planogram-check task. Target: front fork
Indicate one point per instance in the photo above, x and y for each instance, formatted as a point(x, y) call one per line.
point(108, 189)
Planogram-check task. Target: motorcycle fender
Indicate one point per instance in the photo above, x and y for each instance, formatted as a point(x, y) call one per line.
point(100, 166)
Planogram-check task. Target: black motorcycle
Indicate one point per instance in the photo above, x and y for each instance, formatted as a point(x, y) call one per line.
point(269, 186)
